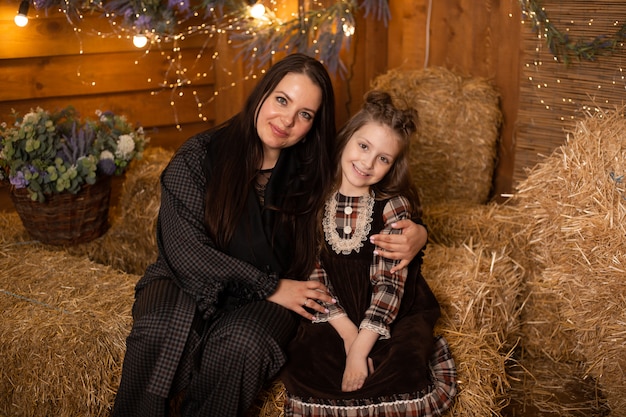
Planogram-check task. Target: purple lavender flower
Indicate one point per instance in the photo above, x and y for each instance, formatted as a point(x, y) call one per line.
point(106, 164)
point(143, 22)
point(18, 180)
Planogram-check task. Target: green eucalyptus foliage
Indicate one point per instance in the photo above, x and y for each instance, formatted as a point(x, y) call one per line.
point(58, 152)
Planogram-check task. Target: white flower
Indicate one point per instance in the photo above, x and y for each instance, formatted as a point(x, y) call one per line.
point(32, 117)
point(125, 146)
point(106, 155)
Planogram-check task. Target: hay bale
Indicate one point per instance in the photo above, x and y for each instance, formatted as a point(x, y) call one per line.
point(453, 153)
point(480, 288)
point(12, 228)
point(574, 204)
point(497, 226)
point(540, 386)
point(479, 295)
point(130, 243)
point(270, 402)
point(63, 331)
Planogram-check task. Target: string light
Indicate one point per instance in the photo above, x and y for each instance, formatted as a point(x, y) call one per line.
point(566, 91)
point(348, 29)
point(256, 30)
point(21, 18)
point(257, 10)
point(140, 41)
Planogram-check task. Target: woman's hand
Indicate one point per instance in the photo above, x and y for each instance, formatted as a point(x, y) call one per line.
point(296, 295)
point(401, 246)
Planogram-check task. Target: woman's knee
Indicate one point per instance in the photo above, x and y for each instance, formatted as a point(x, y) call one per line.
point(148, 333)
point(245, 337)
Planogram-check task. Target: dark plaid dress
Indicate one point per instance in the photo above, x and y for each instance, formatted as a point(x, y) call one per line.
point(414, 372)
point(202, 326)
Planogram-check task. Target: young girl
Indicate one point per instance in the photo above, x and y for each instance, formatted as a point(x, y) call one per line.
point(373, 352)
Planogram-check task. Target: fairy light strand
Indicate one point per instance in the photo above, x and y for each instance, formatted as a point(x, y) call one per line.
point(317, 30)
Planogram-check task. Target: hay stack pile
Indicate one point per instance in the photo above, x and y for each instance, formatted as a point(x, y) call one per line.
point(558, 248)
point(64, 325)
point(477, 289)
point(574, 205)
point(453, 152)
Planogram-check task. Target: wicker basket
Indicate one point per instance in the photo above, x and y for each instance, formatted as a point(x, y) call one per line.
point(66, 219)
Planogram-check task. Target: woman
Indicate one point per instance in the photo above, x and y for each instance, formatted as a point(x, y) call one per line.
point(236, 237)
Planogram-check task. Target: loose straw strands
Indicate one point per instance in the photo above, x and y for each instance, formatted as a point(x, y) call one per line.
point(546, 387)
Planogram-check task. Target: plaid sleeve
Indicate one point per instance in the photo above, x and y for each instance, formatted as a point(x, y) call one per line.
point(387, 288)
point(186, 251)
point(334, 310)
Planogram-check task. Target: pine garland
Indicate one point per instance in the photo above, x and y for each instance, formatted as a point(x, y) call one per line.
point(561, 45)
point(316, 32)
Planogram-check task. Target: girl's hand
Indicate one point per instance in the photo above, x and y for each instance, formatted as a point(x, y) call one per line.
point(358, 362)
point(296, 295)
point(356, 372)
point(401, 246)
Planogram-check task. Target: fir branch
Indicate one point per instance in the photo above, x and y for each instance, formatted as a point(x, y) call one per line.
point(561, 45)
point(316, 32)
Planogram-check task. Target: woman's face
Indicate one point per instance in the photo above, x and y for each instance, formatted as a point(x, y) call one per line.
point(287, 114)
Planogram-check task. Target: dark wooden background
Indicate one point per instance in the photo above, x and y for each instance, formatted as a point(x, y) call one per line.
point(50, 64)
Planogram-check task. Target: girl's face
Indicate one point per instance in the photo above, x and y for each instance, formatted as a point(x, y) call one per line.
point(368, 156)
point(287, 114)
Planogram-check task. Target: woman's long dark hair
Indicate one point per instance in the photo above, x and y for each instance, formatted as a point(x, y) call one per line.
point(379, 108)
point(241, 154)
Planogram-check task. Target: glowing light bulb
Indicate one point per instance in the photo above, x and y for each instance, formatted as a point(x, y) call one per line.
point(257, 11)
point(348, 29)
point(21, 19)
point(140, 41)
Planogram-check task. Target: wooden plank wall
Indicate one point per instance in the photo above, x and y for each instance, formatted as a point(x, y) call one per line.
point(479, 38)
point(42, 65)
point(51, 65)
